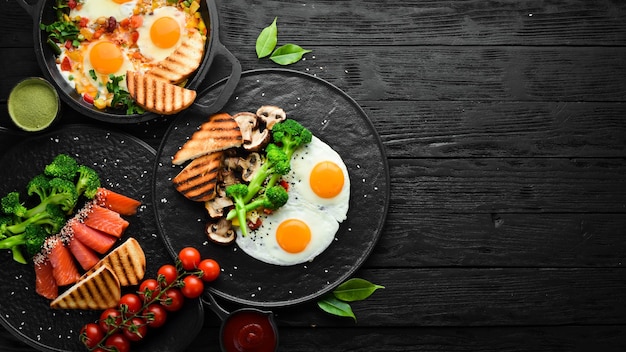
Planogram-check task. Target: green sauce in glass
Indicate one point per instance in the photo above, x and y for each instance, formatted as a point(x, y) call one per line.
point(33, 104)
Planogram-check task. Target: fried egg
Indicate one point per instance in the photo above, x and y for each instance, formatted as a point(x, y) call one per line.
point(296, 233)
point(319, 177)
point(161, 33)
point(319, 195)
point(93, 9)
point(106, 58)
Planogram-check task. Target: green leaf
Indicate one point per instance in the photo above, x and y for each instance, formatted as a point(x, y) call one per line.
point(288, 54)
point(333, 306)
point(355, 289)
point(267, 39)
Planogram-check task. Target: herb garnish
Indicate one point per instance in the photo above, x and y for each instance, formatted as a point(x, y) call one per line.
point(353, 290)
point(285, 55)
point(122, 98)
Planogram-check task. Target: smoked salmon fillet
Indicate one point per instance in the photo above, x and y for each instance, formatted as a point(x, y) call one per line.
point(64, 269)
point(117, 202)
point(45, 284)
point(92, 238)
point(105, 220)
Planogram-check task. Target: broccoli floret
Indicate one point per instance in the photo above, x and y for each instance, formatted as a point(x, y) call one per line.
point(32, 239)
point(276, 162)
point(52, 218)
point(273, 198)
point(11, 205)
point(61, 192)
point(39, 185)
point(237, 192)
point(290, 135)
point(88, 182)
point(62, 166)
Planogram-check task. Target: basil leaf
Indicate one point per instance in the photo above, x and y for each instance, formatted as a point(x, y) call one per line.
point(332, 305)
point(288, 54)
point(355, 289)
point(267, 39)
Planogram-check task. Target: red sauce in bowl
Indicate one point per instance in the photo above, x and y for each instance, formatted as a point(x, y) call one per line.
point(249, 330)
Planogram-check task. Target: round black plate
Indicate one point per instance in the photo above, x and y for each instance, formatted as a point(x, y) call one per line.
point(125, 165)
point(333, 117)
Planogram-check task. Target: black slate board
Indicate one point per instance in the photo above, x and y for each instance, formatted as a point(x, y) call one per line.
point(125, 165)
point(337, 120)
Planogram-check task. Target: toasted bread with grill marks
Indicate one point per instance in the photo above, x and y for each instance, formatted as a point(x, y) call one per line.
point(127, 261)
point(157, 95)
point(220, 132)
point(98, 290)
point(183, 61)
point(198, 180)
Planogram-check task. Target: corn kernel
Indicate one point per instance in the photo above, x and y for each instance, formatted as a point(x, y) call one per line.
point(100, 103)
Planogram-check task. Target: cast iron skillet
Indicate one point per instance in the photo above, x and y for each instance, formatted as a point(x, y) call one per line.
point(124, 164)
point(336, 119)
point(43, 12)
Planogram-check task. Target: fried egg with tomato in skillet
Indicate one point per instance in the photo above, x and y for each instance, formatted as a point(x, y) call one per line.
point(319, 194)
point(116, 36)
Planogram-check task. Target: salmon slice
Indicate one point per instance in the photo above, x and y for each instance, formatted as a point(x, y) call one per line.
point(64, 269)
point(106, 220)
point(45, 284)
point(92, 238)
point(117, 202)
point(85, 256)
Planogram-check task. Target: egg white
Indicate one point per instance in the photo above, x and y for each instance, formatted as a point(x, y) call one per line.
point(92, 9)
point(302, 162)
point(262, 245)
point(145, 44)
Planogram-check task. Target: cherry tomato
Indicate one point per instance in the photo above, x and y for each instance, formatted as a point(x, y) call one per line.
point(132, 302)
point(172, 299)
point(210, 270)
point(156, 315)
point(110, 319)
point(149, 289)
point(189, 258)
point(193, 287)
point(118, 341)
point(135, 330)
point(91, 334)
point(169, 274)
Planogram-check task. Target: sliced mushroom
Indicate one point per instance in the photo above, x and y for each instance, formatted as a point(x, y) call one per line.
point(271, 115)
point(215, 207)
point(220, 232)
point(250, 165)
point(247, 121)
point(259, 140)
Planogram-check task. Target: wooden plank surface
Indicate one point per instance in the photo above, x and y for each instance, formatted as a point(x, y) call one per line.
point(505, 127)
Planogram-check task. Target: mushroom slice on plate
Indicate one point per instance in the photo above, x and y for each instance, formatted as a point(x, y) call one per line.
point(221, 232)
point(271, 115)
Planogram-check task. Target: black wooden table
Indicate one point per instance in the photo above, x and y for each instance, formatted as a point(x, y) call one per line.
point(504, 123)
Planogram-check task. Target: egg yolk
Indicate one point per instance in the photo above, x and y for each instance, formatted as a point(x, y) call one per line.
point(165, 32)
point(121, 1)
point(326, 179)
point(293, 235)
point(106, 58)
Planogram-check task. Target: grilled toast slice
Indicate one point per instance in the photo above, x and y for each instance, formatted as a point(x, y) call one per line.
point(157, 95)
point(183, 61)
point(127, 261)
point(98, 290)
point(198, 180)
point(220, 132)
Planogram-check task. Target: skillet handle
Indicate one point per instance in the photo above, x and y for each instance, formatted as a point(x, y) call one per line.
point(26, 6)
point(216, 308)
point(229, 87)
